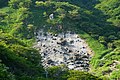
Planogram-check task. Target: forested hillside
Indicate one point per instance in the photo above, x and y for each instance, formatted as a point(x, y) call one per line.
point(95, 21)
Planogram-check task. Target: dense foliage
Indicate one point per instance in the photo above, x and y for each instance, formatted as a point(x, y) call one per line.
point(112, 9)
point(97, 21)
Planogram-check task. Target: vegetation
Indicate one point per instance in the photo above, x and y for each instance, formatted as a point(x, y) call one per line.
point(96, 21)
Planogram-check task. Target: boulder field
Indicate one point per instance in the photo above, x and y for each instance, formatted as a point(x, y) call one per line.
point(63, 48)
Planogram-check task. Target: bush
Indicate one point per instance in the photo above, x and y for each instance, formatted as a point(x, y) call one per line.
point(4, 74)
point(79, 75)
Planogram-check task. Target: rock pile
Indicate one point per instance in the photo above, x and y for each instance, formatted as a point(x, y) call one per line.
point(64, 48)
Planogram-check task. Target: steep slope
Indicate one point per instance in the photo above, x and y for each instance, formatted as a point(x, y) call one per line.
point(97, 24)
point(17, 26)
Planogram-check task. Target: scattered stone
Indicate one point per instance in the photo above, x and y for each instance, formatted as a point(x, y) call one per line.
point(71, 66)
point(57, 49)
point(63, 43)
point(72, 41)
point(49, 61)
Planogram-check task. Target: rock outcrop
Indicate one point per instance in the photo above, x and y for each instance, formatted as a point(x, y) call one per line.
point(67, 49)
